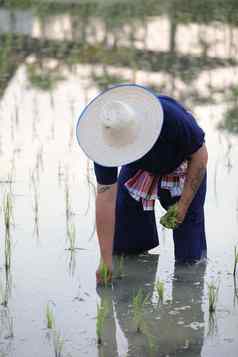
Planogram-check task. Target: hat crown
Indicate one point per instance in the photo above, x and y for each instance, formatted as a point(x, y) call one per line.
point(117, 115)
point(120, 125)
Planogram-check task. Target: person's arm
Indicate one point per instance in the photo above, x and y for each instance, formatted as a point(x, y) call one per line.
point(105, 220)
point(196, 171)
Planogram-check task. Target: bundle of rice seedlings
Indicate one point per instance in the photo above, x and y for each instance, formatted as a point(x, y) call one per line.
point(105, 275)
point(169, 220)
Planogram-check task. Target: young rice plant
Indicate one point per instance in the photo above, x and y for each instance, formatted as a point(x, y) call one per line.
point(235, 260)
point(49, 317)
point(102, 312)
point(159, 286)
point(138, 303)
point(212, 297)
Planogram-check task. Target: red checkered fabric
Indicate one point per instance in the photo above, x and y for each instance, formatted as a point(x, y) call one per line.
point(144, 185)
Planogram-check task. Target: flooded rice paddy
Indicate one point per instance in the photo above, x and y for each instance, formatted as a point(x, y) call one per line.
point(53, 60)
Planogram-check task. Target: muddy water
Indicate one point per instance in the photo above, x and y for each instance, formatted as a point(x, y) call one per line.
point(51, 184)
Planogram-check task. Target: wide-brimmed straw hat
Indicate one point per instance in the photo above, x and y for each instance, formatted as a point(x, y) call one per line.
point(120, 125)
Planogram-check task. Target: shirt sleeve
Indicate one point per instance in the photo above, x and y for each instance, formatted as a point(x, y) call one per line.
point(189, 135)
point(105, 175)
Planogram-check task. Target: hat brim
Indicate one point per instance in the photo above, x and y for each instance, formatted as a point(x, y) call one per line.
point(150, 121)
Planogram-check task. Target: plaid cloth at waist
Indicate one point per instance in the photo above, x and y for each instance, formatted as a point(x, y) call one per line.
point(144, 185)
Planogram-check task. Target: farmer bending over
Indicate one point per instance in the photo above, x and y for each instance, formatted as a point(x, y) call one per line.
point(161, 153)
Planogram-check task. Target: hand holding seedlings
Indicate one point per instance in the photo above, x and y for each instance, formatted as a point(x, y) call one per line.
point(170, 219)
point(103, 275)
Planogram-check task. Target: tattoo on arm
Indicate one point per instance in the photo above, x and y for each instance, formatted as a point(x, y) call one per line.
point(103, 188)
point(193, 184)
point(196, 181)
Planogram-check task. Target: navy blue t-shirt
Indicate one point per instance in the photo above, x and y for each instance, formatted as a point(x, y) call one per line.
point(180, 137)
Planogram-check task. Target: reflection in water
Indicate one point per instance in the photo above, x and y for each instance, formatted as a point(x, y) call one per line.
point(124, 37)
point(54, 57)
point(173, 328)
point(231, 114)
point(72, 262)
point(235, 298)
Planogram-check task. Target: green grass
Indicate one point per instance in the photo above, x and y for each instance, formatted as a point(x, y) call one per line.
point(230, 122)
point(43, 78)
point(102, 312)
point(169, 220)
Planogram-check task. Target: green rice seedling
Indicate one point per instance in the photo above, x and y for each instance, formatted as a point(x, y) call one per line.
point(16, 107)
point(9, 324)
point(235, 260)
point(212, 325)
point(58, 343)
point(151, 339)
point(4, 292)
point(3, 295)
point(67, 203)
point(49, 317)
point(119, 268)
point(169, 220)
point(102, 312)
point(105, 274)
point(8, 251)
point(159, 286)
point(138, 303)
point(212, 297)
point(235, 299)
point(8, 211)
point(39, 159)
point(71, 233)
point(71, 136)
point(6, 321)
point(60, 173)
point(36, 213)
point(5, 288)
point(72, 263)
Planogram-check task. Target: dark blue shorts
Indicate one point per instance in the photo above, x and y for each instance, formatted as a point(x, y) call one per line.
point(136, 232)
